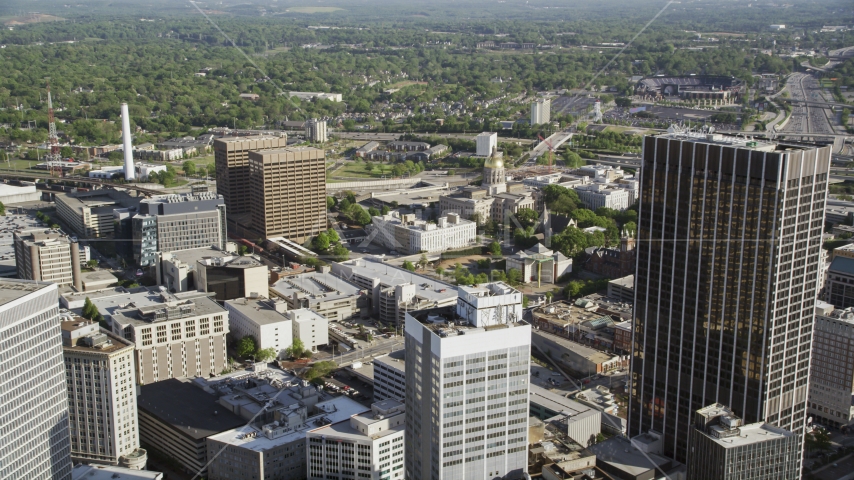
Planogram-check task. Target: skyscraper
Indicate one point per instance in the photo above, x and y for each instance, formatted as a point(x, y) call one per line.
point(729, 239)
point(287, 192)
point(35, 442)
point(99, 370)
point(315, 130)
point(231, 155)
point(467, 388)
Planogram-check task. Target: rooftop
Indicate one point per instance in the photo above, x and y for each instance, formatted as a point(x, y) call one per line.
point(844, 265)
point(620, 453)
point(42, 237)
point(676, 133)
point(186, 408)
point(11, 290)
point(553, 401)
point(753, 433)
point(395, 360)
point(99, 198)
point(252, 438)
point(388, 276)
point(81, 335)
point(146, 306)
point(260, 310)
point(108, 472)
point(321, 285)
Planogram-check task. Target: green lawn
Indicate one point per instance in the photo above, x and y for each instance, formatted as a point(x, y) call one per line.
point(358, 170)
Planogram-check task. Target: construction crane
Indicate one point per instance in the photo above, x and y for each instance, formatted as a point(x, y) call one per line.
point(53, 158)
point(551, 150)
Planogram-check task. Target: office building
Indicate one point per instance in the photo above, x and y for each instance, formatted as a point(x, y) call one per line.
point(310, 327)
point(539, 264)
point(230, 277)
point(35, 442)
point(169, 223)
point(274, 445)
point(287, 192)
point(262, 319)
point(367, 445)
point(486, 143)
point(47, 255)
point(101, 379)
point(315, 131)
point(596, 195)
point(392, 291)
point(390, 376)
point(407, 234)
point(334, 97)
point(832, 367)
point(90, 214)
point(176, 418)
point(722, 448)
point(231, 155)
point(175, 335)
point(839, 287)
point(622, 289)
point(729, 235)
point(467, 391)
point(541, 111)
point(321, 291)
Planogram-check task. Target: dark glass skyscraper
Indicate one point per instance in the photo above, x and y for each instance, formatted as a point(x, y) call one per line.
point(728, 253)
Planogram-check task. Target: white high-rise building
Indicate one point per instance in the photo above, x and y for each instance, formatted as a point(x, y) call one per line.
point(315, 130)
point(35, 443)
point(541, 111)
point(101, 378)
point(467, 389)
point(367, 445)
point(486, 143)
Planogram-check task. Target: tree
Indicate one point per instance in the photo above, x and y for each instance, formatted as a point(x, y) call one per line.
point(2, 209)
point(296, 349)
point(189, 168)
point(572, 159)
point(818, 439)
point(527, 217)
point(246, 346)
point(409, 266)
point(440, 271)
point(385, 210)
point(340, 253)
point(266, 354)
point(514, 276)
point(373, 212)
point(333, 236)
point(202, 171)
point(320, 370)
point(320, 243)
point(66, 152)
point(330, 202)
point(525, 301)
point(495, 249)
point(423, 261)
point(549, 296)
point(92, 263)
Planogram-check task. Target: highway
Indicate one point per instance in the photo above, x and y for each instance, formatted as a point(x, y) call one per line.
point(806, 118)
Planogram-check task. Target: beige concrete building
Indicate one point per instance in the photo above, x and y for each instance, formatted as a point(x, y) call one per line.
point(231, 155)
point(287, 192)
point(90, 214)
point(406, 234)
point(175, 335)
point(47, 255)
point(323, 292)
point(99, 371)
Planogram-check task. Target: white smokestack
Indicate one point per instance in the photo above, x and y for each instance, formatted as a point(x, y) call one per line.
point(130, 173)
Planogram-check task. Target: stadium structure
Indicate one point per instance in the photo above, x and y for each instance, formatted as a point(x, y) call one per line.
point(720, 89)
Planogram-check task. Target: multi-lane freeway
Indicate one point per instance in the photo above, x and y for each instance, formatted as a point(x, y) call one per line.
point(806, 118)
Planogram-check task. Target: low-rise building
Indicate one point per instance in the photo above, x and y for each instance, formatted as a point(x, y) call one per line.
point(403, 146)
point(405, 233)
point(175, 335)
point(175, 419)
point(97, 280)
point(581, 423)
point(262, 319)
point(596, 195)
point(366, 445)
point(613, 262)
point(47, 255)
point(365, 149)
point(640, 458)
point(623, 337)
point(230, 277)
point(393, 291)
point(721, 445)
point(832, 361)
point(839, 286)
point(335, 97)
point(622, 289)
point(101, 379)
point(580, 321)
point(323, 292)
point(310, 327)
point(390, 376)
point(599, 397)
point(577, 358)
point(90, 214)
point(539, 264)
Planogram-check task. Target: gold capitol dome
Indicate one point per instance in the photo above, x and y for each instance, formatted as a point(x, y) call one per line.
point(494, 161)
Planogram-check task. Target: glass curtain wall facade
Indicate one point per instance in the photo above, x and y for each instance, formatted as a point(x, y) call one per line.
point(729, 239)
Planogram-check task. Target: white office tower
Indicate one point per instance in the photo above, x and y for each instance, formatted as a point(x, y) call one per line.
point(467, 390)
point(100, 373)
point(486, 143)
point(315, 130)
point(541, 111)
point(489, 305)
point(34, 444)
point(597, 111)
point(130, 173)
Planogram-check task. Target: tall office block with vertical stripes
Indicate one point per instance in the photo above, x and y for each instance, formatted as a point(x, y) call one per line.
point(729, 240)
